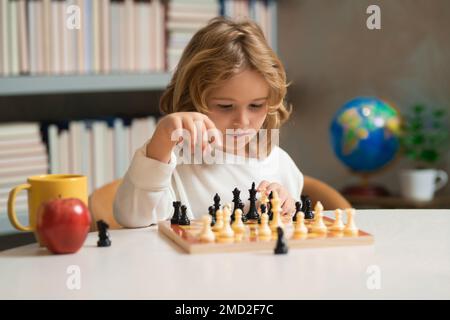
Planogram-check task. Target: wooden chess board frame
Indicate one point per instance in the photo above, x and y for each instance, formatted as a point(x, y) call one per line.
point(187, 238)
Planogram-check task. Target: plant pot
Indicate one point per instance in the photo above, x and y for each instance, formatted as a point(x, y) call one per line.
point(421, 184)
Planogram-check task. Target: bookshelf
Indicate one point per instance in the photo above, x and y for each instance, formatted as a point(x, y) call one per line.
point(30, 85)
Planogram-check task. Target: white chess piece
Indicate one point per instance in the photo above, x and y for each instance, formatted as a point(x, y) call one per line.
point(300, 228)
point(338, 224)
point(207, 235)
point(238, 226)
point(226, 232)
point(264, 230)
point(276, 218)
point(219, 221)
point(318, 225)
point(351, 227)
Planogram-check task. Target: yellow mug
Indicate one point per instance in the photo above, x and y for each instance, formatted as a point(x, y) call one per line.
point(43, 188)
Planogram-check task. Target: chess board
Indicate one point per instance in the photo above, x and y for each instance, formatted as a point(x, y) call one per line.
point(187, 237)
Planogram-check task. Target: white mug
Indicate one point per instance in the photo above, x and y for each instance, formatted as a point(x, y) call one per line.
point(420, 185)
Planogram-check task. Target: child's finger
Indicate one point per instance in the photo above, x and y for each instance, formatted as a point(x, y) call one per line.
point(262, 185)
point(189, 125)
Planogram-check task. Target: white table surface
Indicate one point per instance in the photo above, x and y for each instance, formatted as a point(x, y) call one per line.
point(411, 252)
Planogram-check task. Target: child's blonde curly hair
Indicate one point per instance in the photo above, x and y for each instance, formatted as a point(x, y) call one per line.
point(217, 52)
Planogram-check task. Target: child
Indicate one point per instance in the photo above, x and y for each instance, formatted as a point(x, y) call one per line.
point(227, 78)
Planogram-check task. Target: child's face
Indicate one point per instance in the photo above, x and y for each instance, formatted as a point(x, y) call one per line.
point(240, 103)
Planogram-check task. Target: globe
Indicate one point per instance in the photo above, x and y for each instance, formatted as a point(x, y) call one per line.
point(365, 134)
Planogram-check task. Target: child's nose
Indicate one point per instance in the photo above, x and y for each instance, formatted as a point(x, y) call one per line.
point(242, 120)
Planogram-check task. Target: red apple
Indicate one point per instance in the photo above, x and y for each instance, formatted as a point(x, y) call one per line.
point(63, 224)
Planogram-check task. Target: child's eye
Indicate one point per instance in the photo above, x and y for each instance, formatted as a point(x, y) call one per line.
point(256, 105)
point(225, 106)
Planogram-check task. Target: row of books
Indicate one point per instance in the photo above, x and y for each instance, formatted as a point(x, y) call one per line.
point(22, 154)
point(110, 36)
point(100, 149)
point(81, 36)
point(186, 17)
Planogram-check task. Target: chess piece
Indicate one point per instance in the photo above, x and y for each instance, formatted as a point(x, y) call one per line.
point(264, 230)
point(318, 225)
point(241, 206)
point(219, 221)
point(338, 224)
point(263, 209)
point(238, 226)
point(236, 201)
point(184, 220)
point(226, 232)
point(252, 213)
point(276, 211)
point(212, 214)
point(300, 228)
point(351, 227)
point(103, 234)
point(298, 208)
point(176, 212)
point(207, 235)
point(216, 203)
point(281, 246)
point(309, 214)
point(269, 206)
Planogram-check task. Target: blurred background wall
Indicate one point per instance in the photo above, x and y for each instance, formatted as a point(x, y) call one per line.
point(331, 56)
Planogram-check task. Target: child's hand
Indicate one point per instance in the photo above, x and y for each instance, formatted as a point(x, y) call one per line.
point(161, 144)
point(286, 201)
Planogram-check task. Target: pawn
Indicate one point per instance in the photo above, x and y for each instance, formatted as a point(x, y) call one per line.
point(298, 208)
point(300, 228)
point(351, 227)
point(226, 210)
point(281, 246)
point(207, 235)
point(318, 225)
point(226, 232)
point(263, 209)
point(219, 221)
point(264, 230)
point(309, 214)
point(238, 226)
point(184, 220)
point(212, 214)
point(338, 224)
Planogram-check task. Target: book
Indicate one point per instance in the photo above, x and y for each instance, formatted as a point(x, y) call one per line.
point(23, 37)
point(53, 148)
point(4, 38)
point(75, 147)
point(13, 42)
point(63, 148)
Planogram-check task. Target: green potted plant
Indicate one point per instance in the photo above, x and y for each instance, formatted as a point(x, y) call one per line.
point(425, 141)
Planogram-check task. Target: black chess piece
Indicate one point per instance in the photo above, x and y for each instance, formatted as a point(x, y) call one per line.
point(184, 220)
point(212, 214)
point(241, 206)
point(269, 206)
point(303, 200)
point(281, 246)
point(252, 213)
point(298, 207)
point(103, 234)
point(309, 214)
point(236, 201)
point(263, 210)
point(216, 203)
point(176, 212)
